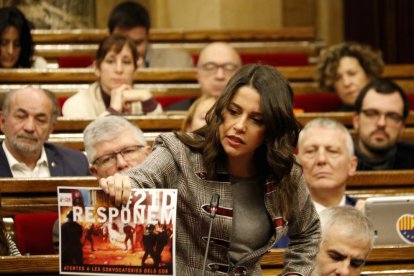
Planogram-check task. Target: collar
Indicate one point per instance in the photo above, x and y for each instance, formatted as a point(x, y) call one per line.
point(319, 207)
point(13, 161)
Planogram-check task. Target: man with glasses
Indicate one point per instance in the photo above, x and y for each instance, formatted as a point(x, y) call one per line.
point(113, 145)
point(381, 110)
point(217, 62)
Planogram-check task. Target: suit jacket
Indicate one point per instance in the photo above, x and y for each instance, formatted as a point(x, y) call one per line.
point(61, 162)
point(174, 165)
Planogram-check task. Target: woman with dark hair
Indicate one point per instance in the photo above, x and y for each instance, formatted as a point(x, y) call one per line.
point(245, 154)
point(16, 49)
point(113, 92)
point(7, 245)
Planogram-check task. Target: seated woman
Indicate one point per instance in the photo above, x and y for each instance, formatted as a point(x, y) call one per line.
point(16, 48)
point(7, 245)
point(196, 116)
point(346, 68)
point(113, 92)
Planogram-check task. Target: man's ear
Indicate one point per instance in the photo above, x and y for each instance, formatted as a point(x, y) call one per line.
point(147, 150)
point(353, 165)
point(93, 170)
point(2, 121)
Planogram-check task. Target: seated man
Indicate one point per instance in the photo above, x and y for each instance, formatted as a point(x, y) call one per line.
point(217, 63)
point(112, 145)
point(27, 119)
point(326, 153)
point(132, 19)
point(381, 110)
point(347, 240)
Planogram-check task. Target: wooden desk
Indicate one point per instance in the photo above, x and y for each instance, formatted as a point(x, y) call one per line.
point(177, 35)
point(163, 75)
point(385, 260)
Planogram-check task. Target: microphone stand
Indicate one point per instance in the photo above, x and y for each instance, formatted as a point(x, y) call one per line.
point(214, 203)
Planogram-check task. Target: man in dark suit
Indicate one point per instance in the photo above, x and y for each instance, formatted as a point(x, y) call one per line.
point(27, 119)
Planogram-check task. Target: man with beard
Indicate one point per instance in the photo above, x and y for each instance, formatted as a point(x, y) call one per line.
point(27, 119)
point(381, 110)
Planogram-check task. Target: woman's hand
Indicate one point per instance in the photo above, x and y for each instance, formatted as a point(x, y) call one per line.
point(123, 96)
point(118, 187)
point(117, 97)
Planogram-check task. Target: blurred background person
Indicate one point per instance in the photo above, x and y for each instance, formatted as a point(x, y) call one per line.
point(17, 48)
point(346, 68)
point(113, 92)
point(326, 153)
point(217, 63)
point(132, 19)
point(382, 109)
point(347, 240)
point(196, 116)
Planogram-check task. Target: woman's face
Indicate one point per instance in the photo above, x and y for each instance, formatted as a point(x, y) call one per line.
point(10, 47)
point(199, 117)
point(350, 79)
point(116, 69)
point(242, 130)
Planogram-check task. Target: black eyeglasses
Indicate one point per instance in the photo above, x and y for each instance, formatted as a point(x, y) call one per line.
point(375, 115)
point(212, 67)
point(109, 160)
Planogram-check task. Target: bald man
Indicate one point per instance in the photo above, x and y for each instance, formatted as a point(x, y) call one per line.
point(27, 119)
point(217, 63)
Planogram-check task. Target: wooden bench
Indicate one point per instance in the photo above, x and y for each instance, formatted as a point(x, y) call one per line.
point(383, 260)
point(94, 36)
point(301, 78)
point(173, 121)
point(168, 75)
point(40, 195)
point(21, 195)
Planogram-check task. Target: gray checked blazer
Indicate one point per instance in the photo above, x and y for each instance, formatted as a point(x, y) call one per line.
point(174, 165)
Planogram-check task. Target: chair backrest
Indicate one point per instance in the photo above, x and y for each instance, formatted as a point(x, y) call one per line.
point(34, 233)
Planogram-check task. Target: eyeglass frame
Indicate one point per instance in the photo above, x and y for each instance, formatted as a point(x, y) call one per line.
point(392, 117)
point(216, 66)
point(114, 155)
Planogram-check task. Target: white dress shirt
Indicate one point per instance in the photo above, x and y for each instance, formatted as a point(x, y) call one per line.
point(20, 169)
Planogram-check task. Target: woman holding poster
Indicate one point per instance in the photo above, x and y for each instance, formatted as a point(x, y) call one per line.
point(245, 154)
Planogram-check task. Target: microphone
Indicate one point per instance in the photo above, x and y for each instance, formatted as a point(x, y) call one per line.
point(214, 204)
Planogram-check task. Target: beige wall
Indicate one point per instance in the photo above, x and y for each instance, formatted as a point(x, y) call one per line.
point(216, 14)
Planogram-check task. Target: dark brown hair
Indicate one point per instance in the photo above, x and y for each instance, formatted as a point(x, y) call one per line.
point(115, 43)
point(276, 155)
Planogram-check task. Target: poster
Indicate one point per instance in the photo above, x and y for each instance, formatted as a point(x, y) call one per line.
point(97, 237)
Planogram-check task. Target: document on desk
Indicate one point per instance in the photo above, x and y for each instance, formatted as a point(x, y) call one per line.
point(97, 237)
